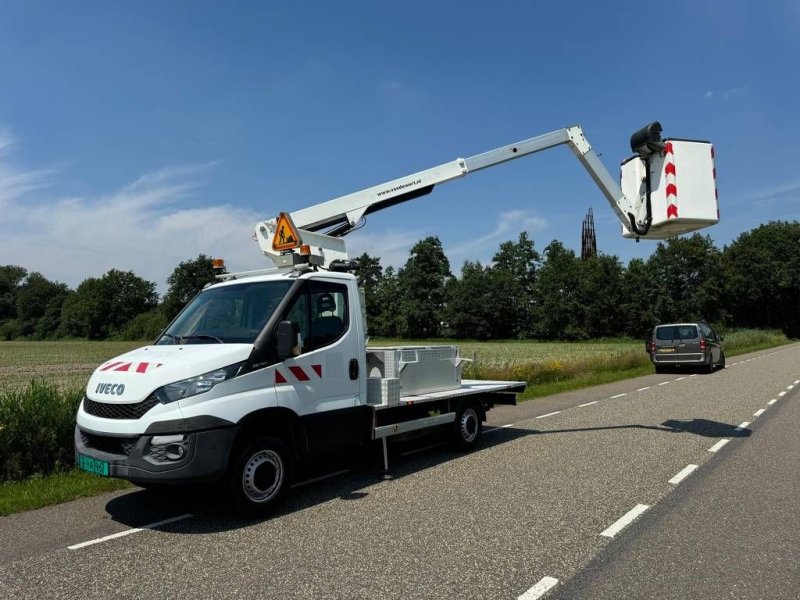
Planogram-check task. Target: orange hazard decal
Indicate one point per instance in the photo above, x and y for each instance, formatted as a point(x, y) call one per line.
point(286, 236)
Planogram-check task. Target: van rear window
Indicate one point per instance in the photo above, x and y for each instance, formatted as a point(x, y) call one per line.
point(676, 332)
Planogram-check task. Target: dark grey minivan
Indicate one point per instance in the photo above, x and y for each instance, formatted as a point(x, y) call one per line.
point(685, 344)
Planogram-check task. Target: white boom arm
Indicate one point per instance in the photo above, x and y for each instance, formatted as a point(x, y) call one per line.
point(341, 215)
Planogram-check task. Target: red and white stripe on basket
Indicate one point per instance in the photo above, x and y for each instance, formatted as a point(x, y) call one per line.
point(672, 187)
point(298, 374)
point(130, 367)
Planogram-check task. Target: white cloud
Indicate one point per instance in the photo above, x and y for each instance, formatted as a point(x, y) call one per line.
point(142, 227)
point(508, 227)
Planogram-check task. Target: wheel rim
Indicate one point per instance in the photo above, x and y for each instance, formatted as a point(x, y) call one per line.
point(469, 425)
point(263, 475)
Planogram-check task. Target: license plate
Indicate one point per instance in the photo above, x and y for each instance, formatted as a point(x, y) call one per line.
point(93, 465)
point(666, 349)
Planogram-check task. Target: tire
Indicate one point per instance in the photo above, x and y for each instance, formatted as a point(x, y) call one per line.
point(709, 367)
point(260, 476)
point(721, 364)
point(467, 428)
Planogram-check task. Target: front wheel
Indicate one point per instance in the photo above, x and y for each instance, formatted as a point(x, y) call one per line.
point(260, 475)
point(467, 427)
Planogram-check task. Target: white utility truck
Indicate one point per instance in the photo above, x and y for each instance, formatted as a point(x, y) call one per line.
point(267, 367)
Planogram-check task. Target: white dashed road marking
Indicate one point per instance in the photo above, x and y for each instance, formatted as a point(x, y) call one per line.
point(587, 404)
point(548, 414)
point(773, 401)
point(742, 426)
point(619, 396)
point(718, 445)
point(683, 474)
point(625, 520)
point(537, 591)
point(643, 389)
point(759, 412)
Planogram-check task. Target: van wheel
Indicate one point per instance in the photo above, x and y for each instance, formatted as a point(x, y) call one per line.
point(709, 368)
point(467, 427)
point(260, 475)
point(721, 364)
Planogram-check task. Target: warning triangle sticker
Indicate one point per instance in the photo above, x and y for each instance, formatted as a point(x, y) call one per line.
point(286, 236)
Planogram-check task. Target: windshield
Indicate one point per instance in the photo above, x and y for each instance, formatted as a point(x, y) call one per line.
point(227, 314)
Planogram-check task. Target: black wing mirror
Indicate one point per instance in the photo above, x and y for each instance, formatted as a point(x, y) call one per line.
point(287, 336)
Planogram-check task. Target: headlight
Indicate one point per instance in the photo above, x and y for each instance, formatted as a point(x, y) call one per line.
point(200, 384)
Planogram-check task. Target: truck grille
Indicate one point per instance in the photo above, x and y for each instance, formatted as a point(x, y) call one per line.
point(110, 445)
point(119, 411)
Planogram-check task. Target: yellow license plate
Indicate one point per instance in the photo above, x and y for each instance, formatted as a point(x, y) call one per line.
point(666, 349)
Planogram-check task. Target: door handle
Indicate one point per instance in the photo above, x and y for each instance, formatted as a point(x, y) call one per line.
point(353, 368)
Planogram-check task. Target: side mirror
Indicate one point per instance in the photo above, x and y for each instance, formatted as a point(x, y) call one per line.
point(721, 338)
point(286, 337)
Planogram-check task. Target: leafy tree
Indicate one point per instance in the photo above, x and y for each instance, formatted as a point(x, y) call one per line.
point(686, 271)
point(559, 313)
point(186, 281)
point(471, 311)
point(422, 290)
point(600, 295)
point(385, 319)
point(11, 276)
point(638, 297)
point(39, 302)
point(762, 275)
point(101, 307)
point(514, 277)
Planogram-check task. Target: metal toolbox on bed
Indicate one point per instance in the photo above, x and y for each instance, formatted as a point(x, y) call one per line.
point(420, 369)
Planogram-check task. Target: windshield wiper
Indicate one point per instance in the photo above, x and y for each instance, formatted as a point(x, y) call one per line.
point(175, 340)
point(201, 336)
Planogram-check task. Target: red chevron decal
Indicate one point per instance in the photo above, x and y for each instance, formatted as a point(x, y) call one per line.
point(279, 378)
point(668, 148)
point(672, 190)
point(672, 211)
point(669, 169)
point(299, 373)
point(111, 365)
point(317, 370)
point(124, 367)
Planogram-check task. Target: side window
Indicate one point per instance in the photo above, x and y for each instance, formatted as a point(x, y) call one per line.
point(329, 313)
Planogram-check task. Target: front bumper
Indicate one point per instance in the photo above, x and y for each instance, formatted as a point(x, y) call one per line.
point(204, 455)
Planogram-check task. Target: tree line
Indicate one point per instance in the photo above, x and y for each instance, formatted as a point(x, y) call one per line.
point(521, 294)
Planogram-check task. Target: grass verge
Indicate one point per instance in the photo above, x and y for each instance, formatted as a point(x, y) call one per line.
point(37, 492)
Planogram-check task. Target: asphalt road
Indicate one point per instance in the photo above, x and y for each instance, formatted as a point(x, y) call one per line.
point(535, 512)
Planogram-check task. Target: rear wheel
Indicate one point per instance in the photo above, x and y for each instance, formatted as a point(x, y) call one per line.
point(721, 364)
point(467, 427)
point(709, 366)
point(260, 475)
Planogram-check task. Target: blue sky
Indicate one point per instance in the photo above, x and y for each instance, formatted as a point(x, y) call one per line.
point(135, 135)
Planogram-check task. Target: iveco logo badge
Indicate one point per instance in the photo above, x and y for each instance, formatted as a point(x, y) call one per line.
point(114, 389)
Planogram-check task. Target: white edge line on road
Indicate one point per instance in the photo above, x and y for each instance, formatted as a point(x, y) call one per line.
point(781, 393)
point(664, 383)
point(625, 520)
point(509, 425)
point(680, 378)
point(796, 381)
point(643, 389)
point(587, 404)
point(693, 375)
point(619, 395)
point(743, 425)
point(773, 401)
point(548, 414)
point(790, 387)
point(759, 412)
point(683, 474)
point(718, 445)
point(545, 584)
point(129, 531)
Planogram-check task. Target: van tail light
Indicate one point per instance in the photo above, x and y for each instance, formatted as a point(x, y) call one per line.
point(652, 347)
point(702, 345)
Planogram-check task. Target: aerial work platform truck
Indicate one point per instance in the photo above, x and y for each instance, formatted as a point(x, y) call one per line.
point(268, 367)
